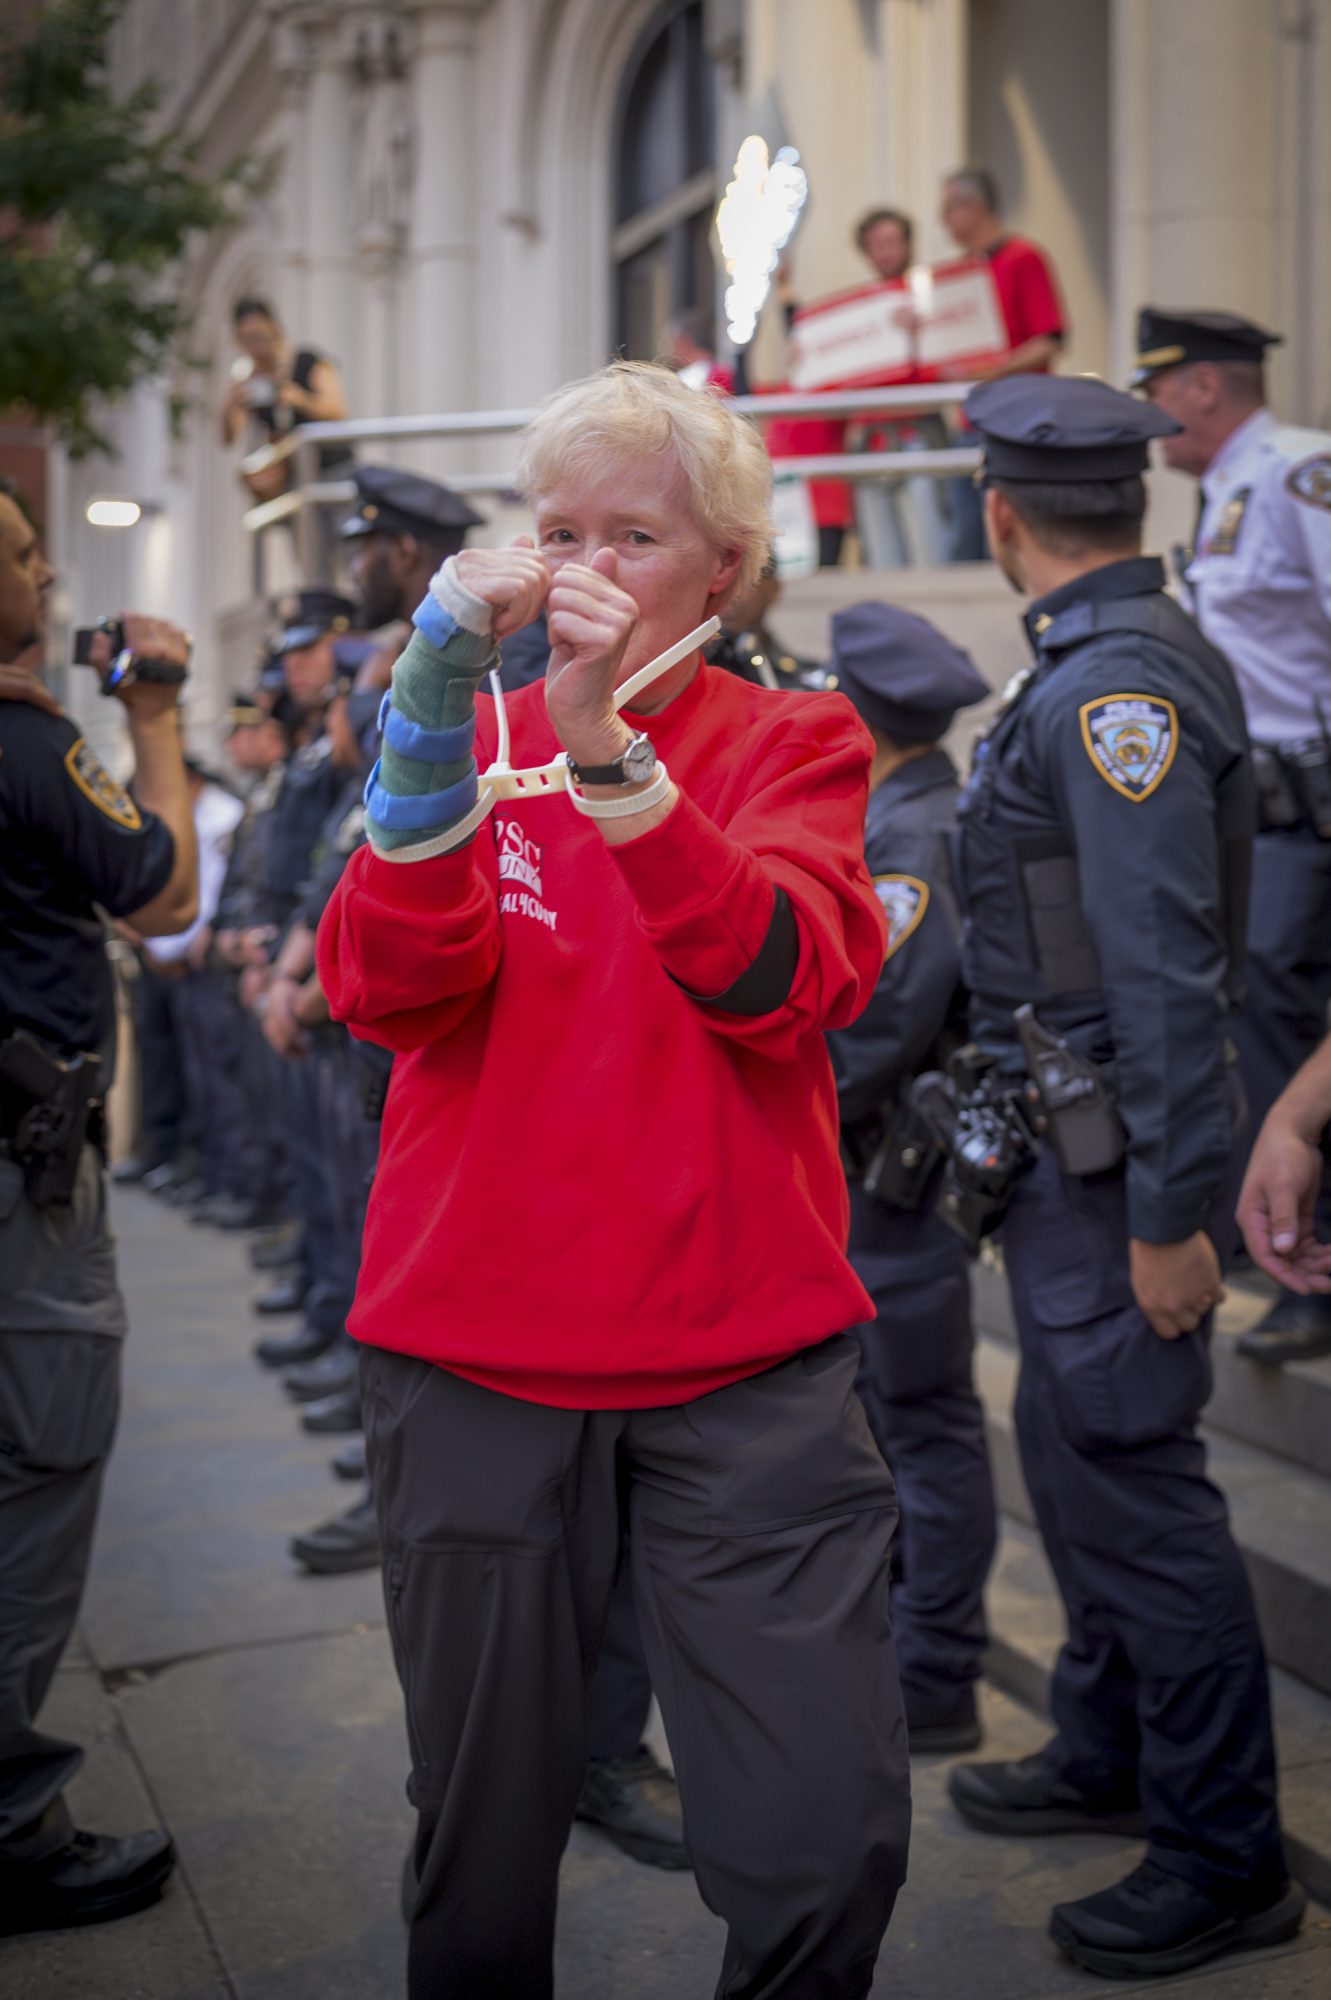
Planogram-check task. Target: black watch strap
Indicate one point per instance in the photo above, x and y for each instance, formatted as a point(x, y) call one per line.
point(605, 774)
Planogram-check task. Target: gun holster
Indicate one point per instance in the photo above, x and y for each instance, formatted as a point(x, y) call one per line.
point(1070, 1101)
point(49, 1107)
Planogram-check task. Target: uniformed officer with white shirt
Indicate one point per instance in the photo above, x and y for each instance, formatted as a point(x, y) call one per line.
point(1259, 582)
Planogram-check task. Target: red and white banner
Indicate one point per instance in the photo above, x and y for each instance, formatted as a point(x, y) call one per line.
point(903, 330)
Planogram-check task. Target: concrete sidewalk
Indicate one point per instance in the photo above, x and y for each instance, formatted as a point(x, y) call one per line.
point(255, 1711)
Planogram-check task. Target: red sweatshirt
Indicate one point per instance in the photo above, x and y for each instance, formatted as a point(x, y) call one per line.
point(594, 1190)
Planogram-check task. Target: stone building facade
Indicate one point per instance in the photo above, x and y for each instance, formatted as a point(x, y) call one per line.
point(469, 201)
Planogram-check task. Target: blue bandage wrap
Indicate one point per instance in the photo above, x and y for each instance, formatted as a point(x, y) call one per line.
point(419, 810)
point(433, 622)
point(428, 746)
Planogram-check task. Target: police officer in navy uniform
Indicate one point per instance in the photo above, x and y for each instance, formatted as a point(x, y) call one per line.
point(1259, 583)
point(1102, 863)
point(73, 844)
point(908, 681)
point(315, 636)
point(747, 647)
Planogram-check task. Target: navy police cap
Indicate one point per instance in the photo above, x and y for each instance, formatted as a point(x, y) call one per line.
point(1063, 428)
point(307, 614)
point(1169, 339)
point(902, 674)
point(390, 502)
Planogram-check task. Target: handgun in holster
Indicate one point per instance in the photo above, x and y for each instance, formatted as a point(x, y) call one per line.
point(1070, 1102)
point(1278, 803)
point(55, 1104)
point(1309, 765)
point(979, 1120)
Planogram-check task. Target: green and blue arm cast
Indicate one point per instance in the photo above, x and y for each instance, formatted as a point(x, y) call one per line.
point(424, 784)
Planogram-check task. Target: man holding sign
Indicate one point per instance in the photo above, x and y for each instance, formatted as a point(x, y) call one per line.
point(1028, 298)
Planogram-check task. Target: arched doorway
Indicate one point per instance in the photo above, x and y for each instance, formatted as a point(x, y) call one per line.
point(664, 180)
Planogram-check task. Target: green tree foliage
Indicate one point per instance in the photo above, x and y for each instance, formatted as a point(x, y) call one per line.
point(96, 207)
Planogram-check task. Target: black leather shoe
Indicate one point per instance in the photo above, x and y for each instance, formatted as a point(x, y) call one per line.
point(635, 1801)
point(189, 1193)
point(1295, 1329)
point(231, 1211)
point(286, 1296)
point(1153, 1923)
point(349, 1541)
point(287, 1350)
point(161, 1180)
point(92, 1880)
point(332, 1416)
point(129, 1170)
point(941, 1721)
point(328, 1376)
point(1031, 1796)
point(349, 1463)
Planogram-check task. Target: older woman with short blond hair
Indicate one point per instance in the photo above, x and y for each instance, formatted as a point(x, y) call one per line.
point(604, 1288)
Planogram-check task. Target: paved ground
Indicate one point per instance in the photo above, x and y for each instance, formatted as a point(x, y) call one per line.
point(255, 1710)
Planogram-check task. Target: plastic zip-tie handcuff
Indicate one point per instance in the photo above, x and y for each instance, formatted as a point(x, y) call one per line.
point(501, 781)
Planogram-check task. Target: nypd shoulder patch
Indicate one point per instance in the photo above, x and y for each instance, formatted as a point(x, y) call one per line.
point(97, 785)
point(1311, 481)
point(1131, 739)
point(904, 899)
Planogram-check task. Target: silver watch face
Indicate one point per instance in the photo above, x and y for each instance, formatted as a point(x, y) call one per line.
point(639, 760)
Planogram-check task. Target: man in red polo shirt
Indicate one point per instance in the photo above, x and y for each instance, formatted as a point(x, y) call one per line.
point(1032, 310)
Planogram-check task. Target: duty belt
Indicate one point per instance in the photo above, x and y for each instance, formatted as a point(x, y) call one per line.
point(1294, 786)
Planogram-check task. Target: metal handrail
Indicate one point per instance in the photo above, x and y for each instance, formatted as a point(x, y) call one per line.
point(310, 493)
point(497, 423)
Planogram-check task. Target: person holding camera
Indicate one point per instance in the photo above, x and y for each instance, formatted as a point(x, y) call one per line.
point(1102, 868)
point(273, 391)
point(73, 845)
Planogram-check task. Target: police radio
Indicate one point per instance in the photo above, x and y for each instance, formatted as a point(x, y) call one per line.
point(126, 667)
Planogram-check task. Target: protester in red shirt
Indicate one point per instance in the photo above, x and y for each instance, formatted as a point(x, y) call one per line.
point(1032, 309)
point(604, 1286)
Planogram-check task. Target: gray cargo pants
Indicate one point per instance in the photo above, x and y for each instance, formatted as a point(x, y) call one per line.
point(61, 1326)
point(760, 1520)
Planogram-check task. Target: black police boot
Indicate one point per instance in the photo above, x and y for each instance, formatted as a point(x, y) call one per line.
point(941, 1720)
point(332, 1416)
point(328, 1376)
point(129, 1170)
point(349, 1541)
point(1295, 1329)
point(288, 1350)
point(636, 1802)
point(286, 1296)
point(1153, 1923)
point(1032, 1796)
point(93, 1879)
point(349, 1463)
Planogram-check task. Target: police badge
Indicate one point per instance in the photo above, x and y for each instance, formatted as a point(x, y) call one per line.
point(1131, 740)
point(904, 899)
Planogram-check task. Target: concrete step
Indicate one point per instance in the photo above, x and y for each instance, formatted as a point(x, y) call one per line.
point(1027, 1629)
point(1280, 1515)
point(1282, 1410)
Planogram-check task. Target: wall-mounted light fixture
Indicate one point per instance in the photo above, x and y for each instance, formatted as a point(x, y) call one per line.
point(110, 511)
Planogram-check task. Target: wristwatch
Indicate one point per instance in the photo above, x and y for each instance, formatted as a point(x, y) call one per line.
point(637, 766)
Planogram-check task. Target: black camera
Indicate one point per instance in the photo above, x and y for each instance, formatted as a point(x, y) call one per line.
point(125, 667)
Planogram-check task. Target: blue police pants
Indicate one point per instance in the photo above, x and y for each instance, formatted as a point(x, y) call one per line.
point(331, 1260)
point(916, 1384)
point(1161, 1689)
